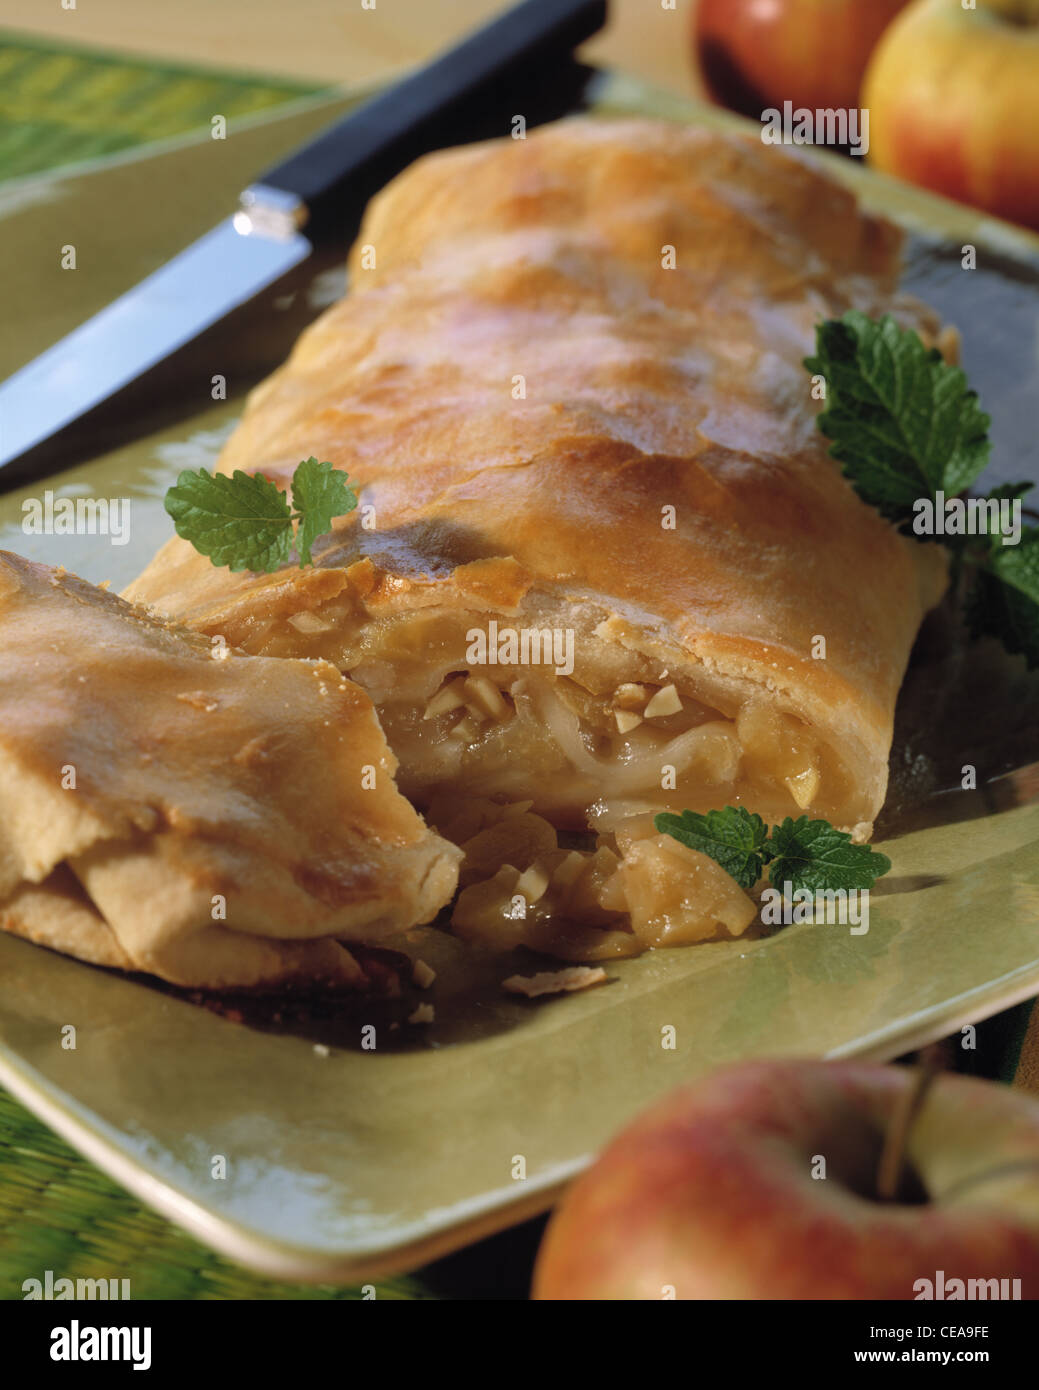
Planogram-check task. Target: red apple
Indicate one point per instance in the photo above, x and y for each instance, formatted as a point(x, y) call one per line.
point(759, 53)
point(953, 96)
point(711, 1194)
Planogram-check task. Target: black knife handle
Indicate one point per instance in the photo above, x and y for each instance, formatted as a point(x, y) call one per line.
point(366, 148)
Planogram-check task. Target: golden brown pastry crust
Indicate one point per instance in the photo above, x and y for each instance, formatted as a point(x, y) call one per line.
point(523, 382)
point(146, 780)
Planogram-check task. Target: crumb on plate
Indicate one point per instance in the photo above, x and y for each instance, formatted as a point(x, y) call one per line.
point(555, 981)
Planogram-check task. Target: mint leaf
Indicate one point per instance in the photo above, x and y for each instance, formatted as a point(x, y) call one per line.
point(734, 838)
point(319, 493)
point(1004, 599)
point(812, 854)
point(901, 421)
point(243, 521)
point(905, 425)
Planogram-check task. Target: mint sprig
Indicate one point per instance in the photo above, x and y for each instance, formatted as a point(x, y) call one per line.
point(812, 854)
point(733, 837)
point(904, 425)
point(805, 853)
point(245, 521)
point(901, 421)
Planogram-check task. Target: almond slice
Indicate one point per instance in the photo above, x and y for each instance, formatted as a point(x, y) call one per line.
point(310, 622)
point(533, 882)
point(803, 787)
point(447, 699)
point(486, 696)
point(422, 974)
point(627, 720)
point(569, 870)
point(666, 701)
point(555, 981)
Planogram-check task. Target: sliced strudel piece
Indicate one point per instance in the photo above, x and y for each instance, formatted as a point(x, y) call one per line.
point(168, 804)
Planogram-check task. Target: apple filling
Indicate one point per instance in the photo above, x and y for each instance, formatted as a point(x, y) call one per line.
point(567, 749)
point(635, 889)
point(504, 754)
point(606, 731)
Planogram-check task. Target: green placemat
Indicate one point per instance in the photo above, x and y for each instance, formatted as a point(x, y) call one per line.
point(63, 105)
point(59, 1213)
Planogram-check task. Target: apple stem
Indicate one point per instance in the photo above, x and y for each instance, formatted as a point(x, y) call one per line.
point(930, 1063)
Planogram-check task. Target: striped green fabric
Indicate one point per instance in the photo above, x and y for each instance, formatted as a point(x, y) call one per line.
point(59, 1213)
point(63, 105)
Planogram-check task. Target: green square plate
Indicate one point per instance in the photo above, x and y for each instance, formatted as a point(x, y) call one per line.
point(358, 1163)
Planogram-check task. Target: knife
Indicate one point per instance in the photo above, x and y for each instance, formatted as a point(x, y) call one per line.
point(82, 394)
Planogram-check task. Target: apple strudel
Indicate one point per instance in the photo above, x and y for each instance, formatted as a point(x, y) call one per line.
point(602, 565)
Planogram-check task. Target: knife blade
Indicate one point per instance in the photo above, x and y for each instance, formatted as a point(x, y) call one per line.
point(83, 393)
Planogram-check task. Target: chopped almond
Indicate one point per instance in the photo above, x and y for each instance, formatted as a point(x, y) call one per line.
point(666, 701)
point(555, 981)
point(804, 786)
point(423, 1013)
point(309, 622)
point(627, 720)
point(486, 697)
point(532, 883)
point(571, 867)
point(422, 974)
point(447, 699)
point(629, 696)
